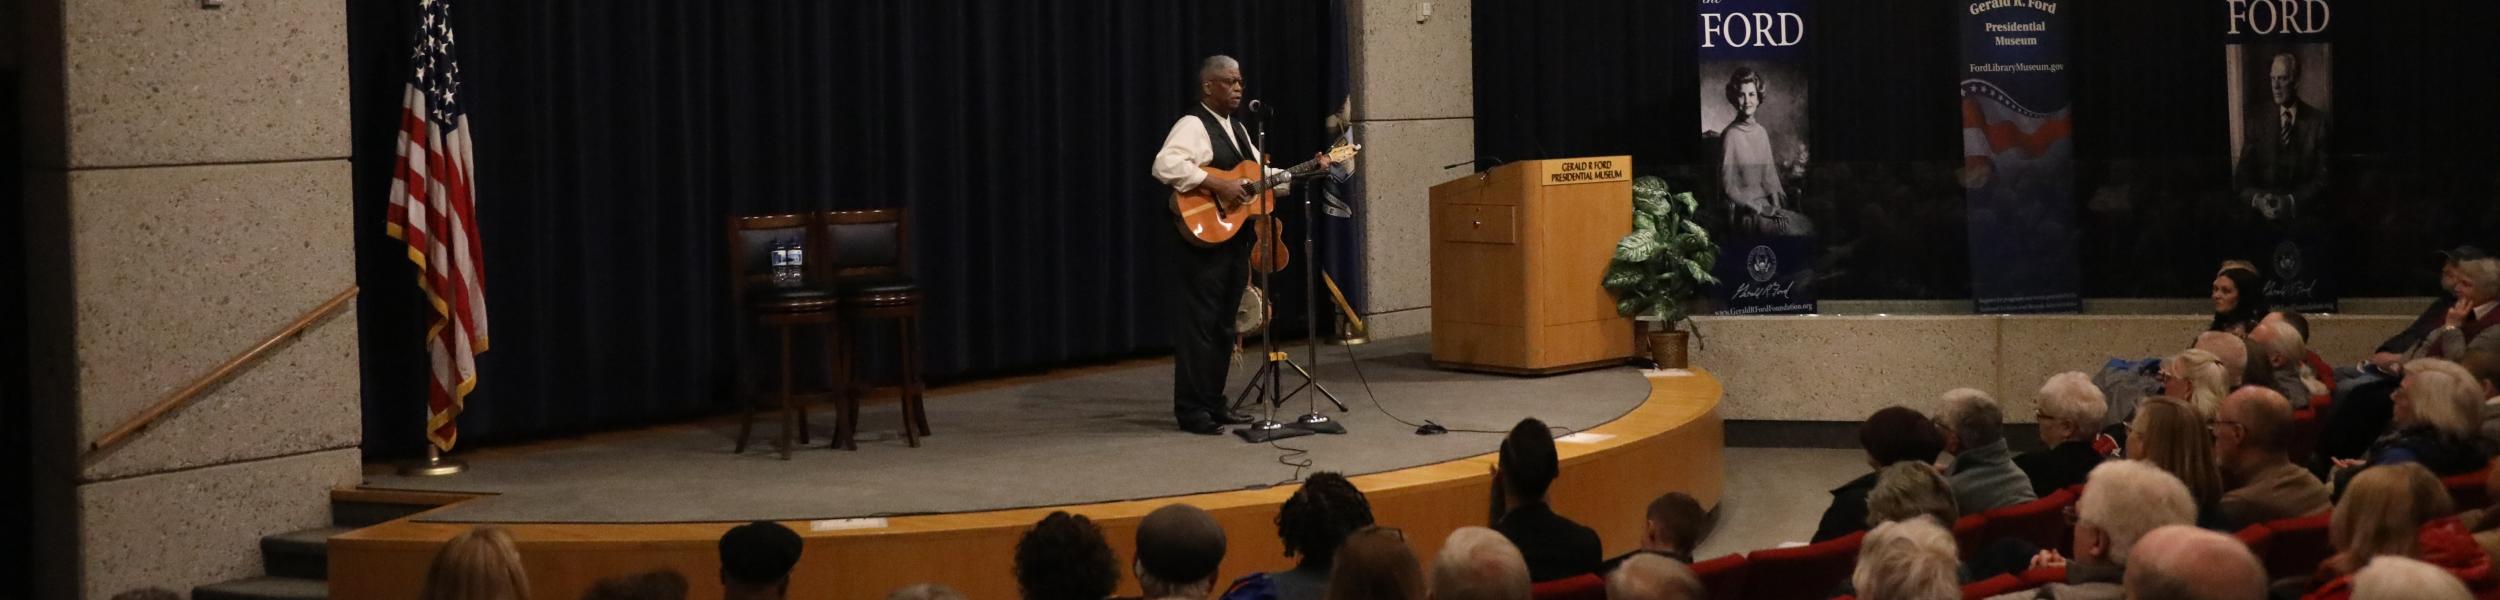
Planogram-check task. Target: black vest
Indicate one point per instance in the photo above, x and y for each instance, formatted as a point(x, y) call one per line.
point(1226, 155)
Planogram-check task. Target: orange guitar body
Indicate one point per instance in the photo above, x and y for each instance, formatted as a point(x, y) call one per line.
point(1210, 222)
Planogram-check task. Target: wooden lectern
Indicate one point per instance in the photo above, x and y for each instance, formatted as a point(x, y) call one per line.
point(1518, 253)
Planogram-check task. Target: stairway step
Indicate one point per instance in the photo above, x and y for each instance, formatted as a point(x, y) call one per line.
point(301, 554)
point(264, 588)
point(348, 513)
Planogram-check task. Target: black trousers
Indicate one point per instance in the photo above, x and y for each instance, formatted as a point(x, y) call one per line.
point(1207, 290)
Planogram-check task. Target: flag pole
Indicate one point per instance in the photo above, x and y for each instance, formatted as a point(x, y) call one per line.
point(434, 465)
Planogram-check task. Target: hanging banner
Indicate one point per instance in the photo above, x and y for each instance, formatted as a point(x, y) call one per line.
point(1753, 121)
point(2280, 70)
point(2018, 157)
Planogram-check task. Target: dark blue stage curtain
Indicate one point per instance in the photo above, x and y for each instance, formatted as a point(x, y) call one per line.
point(614, 136)
point(2413, 131)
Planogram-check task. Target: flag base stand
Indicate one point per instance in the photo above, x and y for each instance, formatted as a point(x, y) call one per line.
point(434, 465)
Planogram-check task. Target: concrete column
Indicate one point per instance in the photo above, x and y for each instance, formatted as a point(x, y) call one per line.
point(188, 196)
point(1414, 111)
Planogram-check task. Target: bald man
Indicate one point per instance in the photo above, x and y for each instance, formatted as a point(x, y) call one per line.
point(2251, 432)
point(2182, 562)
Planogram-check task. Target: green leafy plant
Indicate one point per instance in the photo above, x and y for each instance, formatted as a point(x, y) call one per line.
point(1664, 264)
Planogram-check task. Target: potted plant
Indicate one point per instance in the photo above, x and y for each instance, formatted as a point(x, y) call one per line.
point(1661, 267)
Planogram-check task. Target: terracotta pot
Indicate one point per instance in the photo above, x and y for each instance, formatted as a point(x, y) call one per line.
point(1667, 348)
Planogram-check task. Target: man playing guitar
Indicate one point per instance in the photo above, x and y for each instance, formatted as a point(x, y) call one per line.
point(1210, 278)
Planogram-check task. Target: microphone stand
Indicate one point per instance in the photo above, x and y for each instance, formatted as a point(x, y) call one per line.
point(1268, 383)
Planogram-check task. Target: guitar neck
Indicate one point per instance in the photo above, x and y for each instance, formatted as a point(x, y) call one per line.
point(1306, 168)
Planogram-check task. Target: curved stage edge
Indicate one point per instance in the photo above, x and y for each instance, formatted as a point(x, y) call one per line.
point(1671, 442)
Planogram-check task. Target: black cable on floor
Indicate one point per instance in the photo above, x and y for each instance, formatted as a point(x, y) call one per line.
point(1376, 405)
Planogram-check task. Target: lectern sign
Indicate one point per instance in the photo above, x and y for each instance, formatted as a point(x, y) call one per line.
point(2280, 66)
point(2018, 156)
point(1753, 124)
point(1567, 171)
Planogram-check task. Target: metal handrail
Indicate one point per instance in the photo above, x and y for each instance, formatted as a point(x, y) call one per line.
point(141, 421)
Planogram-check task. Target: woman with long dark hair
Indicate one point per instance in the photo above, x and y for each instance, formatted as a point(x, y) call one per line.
point(2239, 301)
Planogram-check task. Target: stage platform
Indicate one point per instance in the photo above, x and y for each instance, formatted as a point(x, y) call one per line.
point(1099, 443)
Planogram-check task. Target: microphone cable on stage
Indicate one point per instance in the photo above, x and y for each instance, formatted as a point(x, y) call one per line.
point(1420, 428)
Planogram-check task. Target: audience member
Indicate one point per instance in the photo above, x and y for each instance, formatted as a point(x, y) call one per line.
point(663, 584)
point(1894, 434)
point(1178, 549)
point(2478, 293)
point(2195, 377)
point(1064, 557)
point(2437, 410)
point(1554, 546)
point(1908, 490)
point(925, 591)
point(2169, 435)
point(755, 561)
point(2484, 365)
point(1913, 559)
point(2313, 369)
point(1654, 577)
point(1983, 474)
point(1674, 527)
point(478, 564)
point(2124, 500)
point(2397, 510)
point(1479, 564)
point(2071, 412)
point(2178, 562)
point(2386, 361)
point(2239, 297)
point(1375, 564)
point(2229, 350)
point(1312, 523)
point(2400, 578)
point(2251, 439)
point(2280, 349)
point(2485, 522)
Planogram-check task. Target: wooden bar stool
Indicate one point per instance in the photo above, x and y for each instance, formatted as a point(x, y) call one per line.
point(783, 307)
point(867, 252)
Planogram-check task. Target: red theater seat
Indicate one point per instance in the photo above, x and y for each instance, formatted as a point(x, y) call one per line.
point(2006, 584)
point(2041, 522)
point(1724, 576)
point(2467, 489)
point(2295, 546)
point(1971, 533)
point(1584, 587)
point(1802, 572)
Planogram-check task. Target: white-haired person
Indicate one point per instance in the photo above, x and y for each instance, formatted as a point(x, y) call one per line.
point(2195, 377)
point(1476, 563)
point(2230, 350)
point(2178, 562)
point(2395, 510)
point(1654, 577)
point(2279, 346)
point(2436, 423)
point(2400, 578)
point(1982, 470)
point(2124, 500)
point(2364, 412)
point(2072, 411)
point(1915, 559)
point(2390, 354)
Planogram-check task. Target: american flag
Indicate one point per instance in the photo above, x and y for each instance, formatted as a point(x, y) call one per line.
point(433, 209)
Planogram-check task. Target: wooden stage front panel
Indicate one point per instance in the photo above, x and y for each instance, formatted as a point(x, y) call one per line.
point(1671, 442)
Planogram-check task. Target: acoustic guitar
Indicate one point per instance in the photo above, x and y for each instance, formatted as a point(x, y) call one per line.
point(1208, 221)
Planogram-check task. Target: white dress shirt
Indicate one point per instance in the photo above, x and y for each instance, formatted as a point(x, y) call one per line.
point(1187, 148)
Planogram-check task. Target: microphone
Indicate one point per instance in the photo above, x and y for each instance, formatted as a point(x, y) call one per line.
point(1484, 161)
point(1257, 107)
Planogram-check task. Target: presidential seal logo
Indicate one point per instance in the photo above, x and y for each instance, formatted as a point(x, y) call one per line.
point(2287, 261)
point(1762, 264)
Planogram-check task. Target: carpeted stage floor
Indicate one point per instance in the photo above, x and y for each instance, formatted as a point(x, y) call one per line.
point(1097, 437)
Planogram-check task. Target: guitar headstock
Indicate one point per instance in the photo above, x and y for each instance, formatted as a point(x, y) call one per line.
point(1343, 151)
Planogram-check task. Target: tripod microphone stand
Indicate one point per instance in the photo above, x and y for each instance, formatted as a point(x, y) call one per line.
point(1268, 383)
